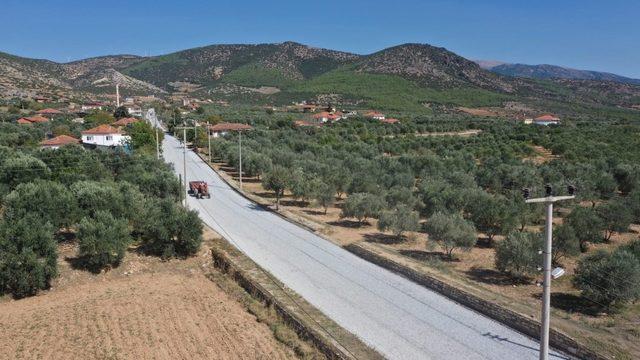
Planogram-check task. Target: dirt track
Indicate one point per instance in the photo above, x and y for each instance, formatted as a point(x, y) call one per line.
point(160, 311)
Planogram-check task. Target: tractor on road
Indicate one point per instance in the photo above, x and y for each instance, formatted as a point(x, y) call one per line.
point(199, 189)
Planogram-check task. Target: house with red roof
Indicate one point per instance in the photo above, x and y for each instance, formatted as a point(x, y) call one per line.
point(105, 135)
point(546, 120)
point(49, 111)
point(390, 121)
point(325, 116)
point(58, 141)
point(223, 129)
point(32, 120)
point(125, 122)
point(375, 115)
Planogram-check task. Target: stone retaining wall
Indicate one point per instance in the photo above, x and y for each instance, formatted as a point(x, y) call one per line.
point(508, 317)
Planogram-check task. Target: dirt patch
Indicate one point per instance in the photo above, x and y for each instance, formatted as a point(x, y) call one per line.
point(542, 155)
point(477, 112)
point(144, 309)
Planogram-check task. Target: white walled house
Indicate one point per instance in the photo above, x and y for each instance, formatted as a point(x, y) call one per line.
point(135, 111)
point(105, 135)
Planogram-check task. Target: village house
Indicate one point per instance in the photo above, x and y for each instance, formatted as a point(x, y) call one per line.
point(375, 115)
point(49, 113)
point(546, 120)
point(303, 123)
point(223, 129)
point(92, 106)
point(326, 116)
point(58, 141)
point(32, 120)
point(104, 135)
point(125, 122)
point(134, 110)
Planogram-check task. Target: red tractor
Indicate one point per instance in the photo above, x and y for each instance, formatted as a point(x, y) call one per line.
point(199, 189)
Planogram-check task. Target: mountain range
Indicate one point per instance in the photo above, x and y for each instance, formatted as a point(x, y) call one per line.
point(545, 71)
point(403, 77)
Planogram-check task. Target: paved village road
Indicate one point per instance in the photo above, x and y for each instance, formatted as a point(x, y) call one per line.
point(400, 319)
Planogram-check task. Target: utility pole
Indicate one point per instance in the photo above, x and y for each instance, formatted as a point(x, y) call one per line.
point(549, 200)
point(184, 160)
point(157, 143)
point(209, 141)
point(240, 153)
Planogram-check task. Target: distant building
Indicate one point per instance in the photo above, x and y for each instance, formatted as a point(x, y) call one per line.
point(135, 111)
point(58, 141)
point(104, 135)
point(302, 123)
point(223, 129)
point(326, 116)
point(375, 115)
point(32, 120)
point(125, 122)
point(546, 120)
point(92, 106)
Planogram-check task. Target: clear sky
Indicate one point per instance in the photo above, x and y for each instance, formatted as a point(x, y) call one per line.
point(585, 34)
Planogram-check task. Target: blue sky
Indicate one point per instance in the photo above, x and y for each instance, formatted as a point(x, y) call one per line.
point(588, 34)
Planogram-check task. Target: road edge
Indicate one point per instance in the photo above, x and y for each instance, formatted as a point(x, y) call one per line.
point(330, 338)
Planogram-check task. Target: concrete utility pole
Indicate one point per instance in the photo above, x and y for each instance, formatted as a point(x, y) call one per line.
point(546, 292)
point(209, 141)
point(184, 160)
point(240, 153)
point(117, 95)
point(157, 143)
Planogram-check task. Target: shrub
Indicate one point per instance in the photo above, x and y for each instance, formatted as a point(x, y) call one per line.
point(169, 230)
point(28, 256)
point(399, 220)
point(103, 240)
point(565, 243)
point(49, 201)
point(362, 206)
point(610, 279)
point(451, 232)
point(518, 255)
point(616, 217)
point(587, 225)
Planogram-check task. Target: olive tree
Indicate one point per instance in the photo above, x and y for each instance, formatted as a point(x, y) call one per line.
point(362, 206)
point(565, 243)
point(49, 201)
point(587, 225)
point(518, 255)
point(399, 220)
point(616, 216)
point(610, 279)
point(277, 180)
point(28, 255)
point(451, 231)
point(103, 240)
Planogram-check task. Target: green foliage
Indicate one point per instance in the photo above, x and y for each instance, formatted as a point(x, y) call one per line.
point(399, 220)
point(28, 255)
point(323, 194)
point(565, 243)
point(49, 201)
point(103, 240)
point(588, 226)
point(616, 217)
point(492, 215)
point(121, 112)
point(21, 168)
point(362, 206)
point(99, 118)
point(169, 230)
point(518, 255)
point(143, 137)
point(255, 75)
point(277, 180)
point(609, 279)
point(452, 232)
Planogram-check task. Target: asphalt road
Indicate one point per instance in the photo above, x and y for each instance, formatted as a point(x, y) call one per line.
point(400, 319)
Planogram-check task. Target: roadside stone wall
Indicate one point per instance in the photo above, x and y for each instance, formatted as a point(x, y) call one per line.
point(514, 320)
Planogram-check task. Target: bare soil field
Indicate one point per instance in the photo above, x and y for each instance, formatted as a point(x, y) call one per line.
point(144, 309)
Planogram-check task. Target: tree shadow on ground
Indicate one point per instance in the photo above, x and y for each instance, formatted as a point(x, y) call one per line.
point(267, 195)
point(383, 238)
point(82, 263)
point(296, 203)
point(494, 277)
point(314, 212)
point(484, 243)
point(423, 255)
point(572, 303)
point(349, 223)
point(65, 237)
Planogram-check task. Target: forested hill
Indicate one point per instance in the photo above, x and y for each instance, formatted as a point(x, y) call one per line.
point(403, 77)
